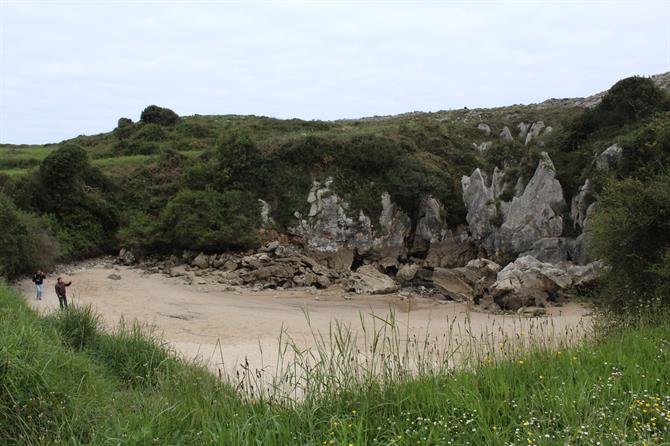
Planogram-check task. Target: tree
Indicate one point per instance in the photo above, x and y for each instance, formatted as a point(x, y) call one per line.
point(210, 221)
point(631, 233)
point(154, 114)
point(628, 100)
point(16, 247)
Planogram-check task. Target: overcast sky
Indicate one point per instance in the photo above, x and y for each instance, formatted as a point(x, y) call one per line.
point(70, 68)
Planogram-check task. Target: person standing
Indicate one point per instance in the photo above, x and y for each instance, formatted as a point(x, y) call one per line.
point(38, 280)
point(61, 292)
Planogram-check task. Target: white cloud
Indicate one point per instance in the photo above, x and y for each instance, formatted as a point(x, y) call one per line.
point(70, 68)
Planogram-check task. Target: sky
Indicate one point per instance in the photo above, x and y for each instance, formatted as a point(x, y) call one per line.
point(71, 68)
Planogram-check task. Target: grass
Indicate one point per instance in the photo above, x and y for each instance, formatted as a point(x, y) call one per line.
point(63, 379)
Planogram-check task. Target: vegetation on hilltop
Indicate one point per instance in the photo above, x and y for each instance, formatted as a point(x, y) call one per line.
point(116, 188)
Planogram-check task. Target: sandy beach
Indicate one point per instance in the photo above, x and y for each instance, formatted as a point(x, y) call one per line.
point(224, 326)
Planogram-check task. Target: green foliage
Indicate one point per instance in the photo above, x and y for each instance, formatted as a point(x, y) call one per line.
point(77, 327)
point(124, 128)
point(629, 100)
point(240, 163)
point(210, 221)
point(61, 170)
point(151, 132)
point(154, 114)
point(631, 233)
point(16, 247)
point(128, 387)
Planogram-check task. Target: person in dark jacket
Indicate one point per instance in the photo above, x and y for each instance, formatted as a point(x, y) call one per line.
point(38, 280)
point(61, 292)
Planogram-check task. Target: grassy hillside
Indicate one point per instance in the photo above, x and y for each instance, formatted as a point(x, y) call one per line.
point(66, 381)
point(92, 194)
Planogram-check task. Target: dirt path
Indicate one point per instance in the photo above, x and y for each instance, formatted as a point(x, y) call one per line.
point(207, 322)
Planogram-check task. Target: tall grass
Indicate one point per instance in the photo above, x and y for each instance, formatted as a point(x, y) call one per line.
point(387, 392)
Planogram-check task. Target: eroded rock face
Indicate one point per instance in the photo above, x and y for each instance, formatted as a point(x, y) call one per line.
point(536, 213)
point(395, 226)
point(332, 237)
point(509, 228)
point(580, 204)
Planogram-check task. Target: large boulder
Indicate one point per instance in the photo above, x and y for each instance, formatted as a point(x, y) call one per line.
point(609, 158)
point(528, 281)
point(369, 280)
point(506, 135)
point(484, 128)
point(468, 282)
point(201, 261)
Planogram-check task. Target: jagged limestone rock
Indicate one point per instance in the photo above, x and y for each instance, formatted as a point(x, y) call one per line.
point(506, 135)
point(480, 205)
point(395, 226)
point(580, 203)
point(554, 249)
point(522, 129)
point(534, 131)
point(536, 213)
point(505, 229)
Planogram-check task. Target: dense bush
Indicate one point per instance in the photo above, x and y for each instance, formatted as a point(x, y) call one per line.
point(16, 247)
point(631, 233)
point(151, 132)
point(124, 128)
point(210, 221)
point(154, 114)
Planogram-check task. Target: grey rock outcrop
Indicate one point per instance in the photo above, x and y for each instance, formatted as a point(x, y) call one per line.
point(580, 203)
point(201, 261)
point(609, 158)
point(506, 135)
point(522, 129)
point(534, 131)
point(334, 238)
point(368, 280)
point(466, 283)
point(536, 213)
point(437, 244)
point(484, 128)
point(530, 282)
point(509, 228)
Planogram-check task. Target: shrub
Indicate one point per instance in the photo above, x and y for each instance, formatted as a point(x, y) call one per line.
point(631, 233)
point(151, 132)
point(16, 247)
point(154, 114)
point(208, 220)
point(124, 128)
point(628, 100)
point(78, 326)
